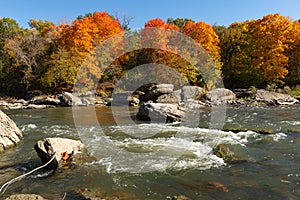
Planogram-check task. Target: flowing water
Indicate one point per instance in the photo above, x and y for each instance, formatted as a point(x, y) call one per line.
point(158, 161)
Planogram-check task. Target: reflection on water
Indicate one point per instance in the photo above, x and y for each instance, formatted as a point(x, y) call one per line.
point(185, 164)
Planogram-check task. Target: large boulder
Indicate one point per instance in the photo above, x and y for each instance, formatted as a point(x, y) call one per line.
point(69, 99)
point(219, 95)
point(25, 197)
point(160, 112)
point(153, 92)
point(61, 147)
point(191, 92)
point(10, 134)
point(273, 98)
point(168, 98)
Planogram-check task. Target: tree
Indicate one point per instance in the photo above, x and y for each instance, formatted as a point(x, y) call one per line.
point(236, 56)
point(74, 45)
point(293, 53)
point(25, 50)
point(204, 34)
point(63, 67)
point(8, 75)
point(270, 43)
point(40, 25)
point(179, 22)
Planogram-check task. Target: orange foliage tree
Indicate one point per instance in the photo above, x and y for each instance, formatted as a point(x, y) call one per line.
point(76, 43)
point(269, 42)
point(204, 34)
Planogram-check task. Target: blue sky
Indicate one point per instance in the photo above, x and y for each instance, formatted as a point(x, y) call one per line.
point(222, 12)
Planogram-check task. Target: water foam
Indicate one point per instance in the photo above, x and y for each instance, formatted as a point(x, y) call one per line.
point(175, 147)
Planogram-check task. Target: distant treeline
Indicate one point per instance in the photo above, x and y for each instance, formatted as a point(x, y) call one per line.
point(47, 56)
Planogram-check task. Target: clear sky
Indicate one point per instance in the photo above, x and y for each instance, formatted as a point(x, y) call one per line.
point(222, 12)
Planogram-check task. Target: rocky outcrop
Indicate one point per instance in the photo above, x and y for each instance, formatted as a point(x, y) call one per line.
point(273, 98)
point(10, 134)
point(160, 112)
point(25, 197)
point(63, 148)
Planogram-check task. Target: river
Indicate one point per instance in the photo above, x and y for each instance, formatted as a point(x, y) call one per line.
point(168, 160)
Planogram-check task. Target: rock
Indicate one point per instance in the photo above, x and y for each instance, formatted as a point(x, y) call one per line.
point(41, 100)
point(273, 98)
point(180, 197)
point(244, 93)
point(25, 197)
point(168, 98)
point(101, 194)
point(32, 93)
point(191, 92)
point(69, 99)
point(15, 106)
point(47, 147)
point(160, 112)
point(219, 95)
point(191, 105)
point(230, 153)
point(33, 106)
point(10, 134)
point(3, 104)
point(153, 92)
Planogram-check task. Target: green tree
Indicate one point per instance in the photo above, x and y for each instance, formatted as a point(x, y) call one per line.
point(40, 25)
point(236, 47)
point(179, 22)
point(8, 75)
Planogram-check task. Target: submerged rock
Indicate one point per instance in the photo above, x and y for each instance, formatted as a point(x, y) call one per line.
point(230, 153)
point(25, 197)
point(10, 134)
point(160, 112)
point(65, 149)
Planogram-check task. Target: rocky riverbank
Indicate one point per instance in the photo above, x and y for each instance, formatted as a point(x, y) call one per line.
point(162, 103)
point(51, 101)
point(160, 93)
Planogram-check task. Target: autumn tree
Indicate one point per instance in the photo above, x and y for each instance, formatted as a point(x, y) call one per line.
point(204, 34)
point(270, 43)
point(256, 52)
point(25, 50)
point(236, 56)
point(179, 22)
point(40, 25)
point(293, 53)
point(75, 44)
